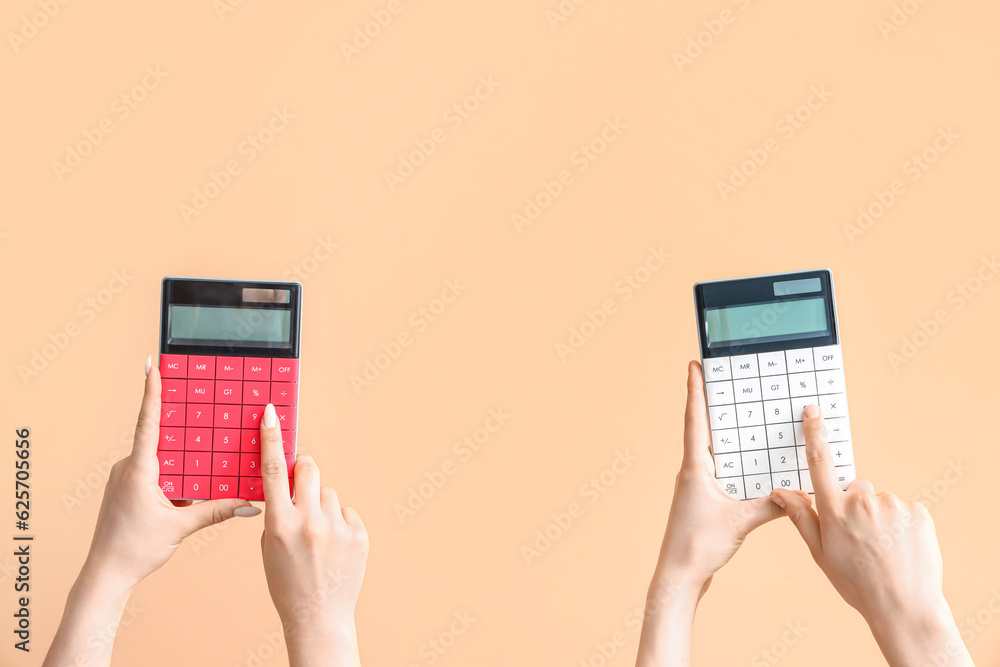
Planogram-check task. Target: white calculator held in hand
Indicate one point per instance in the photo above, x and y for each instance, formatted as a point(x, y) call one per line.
point(770, 346)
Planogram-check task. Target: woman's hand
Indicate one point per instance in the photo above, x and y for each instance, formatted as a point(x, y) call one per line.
point(315, 554)
point(706, 526)
point(138, 529)
point(704, 530)
point(881, 554)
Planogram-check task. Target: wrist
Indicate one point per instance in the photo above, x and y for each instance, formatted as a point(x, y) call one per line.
point(331, 642)
point(101, 581)
point(917, 634)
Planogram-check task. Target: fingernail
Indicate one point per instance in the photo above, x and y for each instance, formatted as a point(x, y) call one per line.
point(247, 511)
point(811, 411)
point(778, 501)
point(149, 363)
point(270, 417)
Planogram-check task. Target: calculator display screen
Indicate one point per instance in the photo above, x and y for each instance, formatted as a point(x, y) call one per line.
point(772, 321)
point(229, 324)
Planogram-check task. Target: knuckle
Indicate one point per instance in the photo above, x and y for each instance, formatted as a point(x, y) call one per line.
point(815, 455)
point(271, 469)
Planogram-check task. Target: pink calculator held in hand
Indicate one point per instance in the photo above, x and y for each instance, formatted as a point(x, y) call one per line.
point(227, 349)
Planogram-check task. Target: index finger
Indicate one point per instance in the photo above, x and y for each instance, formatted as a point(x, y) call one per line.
point(821, 467)
point(273, 469)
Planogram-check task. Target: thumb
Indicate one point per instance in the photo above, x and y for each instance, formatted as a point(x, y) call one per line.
point(211, 512)
point(755, 513)
point(800, 511)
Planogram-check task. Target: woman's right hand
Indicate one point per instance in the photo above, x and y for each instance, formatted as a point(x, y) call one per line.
point(315, 554)
point(880, 553)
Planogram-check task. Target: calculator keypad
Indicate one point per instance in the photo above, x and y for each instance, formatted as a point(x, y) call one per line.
point(755, 404)
point(210, 423)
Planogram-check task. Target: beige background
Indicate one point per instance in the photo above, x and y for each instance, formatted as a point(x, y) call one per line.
point(322, 177)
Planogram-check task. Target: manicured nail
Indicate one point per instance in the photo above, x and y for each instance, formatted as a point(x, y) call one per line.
point(247, 511)
point(149, 363)
point(776, 499)
point(811, 412)
point(270, 417)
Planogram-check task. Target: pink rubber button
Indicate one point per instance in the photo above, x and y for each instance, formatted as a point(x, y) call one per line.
point(229, 368)
point(171, 438)
point(200, 391)
point(256, 368)
point(256, 393)
point(172, 414)
point(227, 416)
point(225, 463)
point(250, 440)
point(249, 465)
point(226, 440)
point(288, 442)
point(201, 367)
point(251, 488)
point(251, 416)
point(171, 463)
point(285, 370)
point(173, 365)
point(198, 463)
point(199, 414)
point(225, 487)
point(197, 488)
point(284, 393)
point(198, 440)
point(171, 485)
point(286, 417)
point(228, 391)
point(173, 390)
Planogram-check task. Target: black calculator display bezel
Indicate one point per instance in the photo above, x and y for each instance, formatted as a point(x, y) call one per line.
point(758, 290)
point(215, 292)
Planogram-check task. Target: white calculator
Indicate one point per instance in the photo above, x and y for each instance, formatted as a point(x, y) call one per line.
point(770, 346)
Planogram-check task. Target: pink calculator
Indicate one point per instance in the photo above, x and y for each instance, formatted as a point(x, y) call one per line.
point(227, 349)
